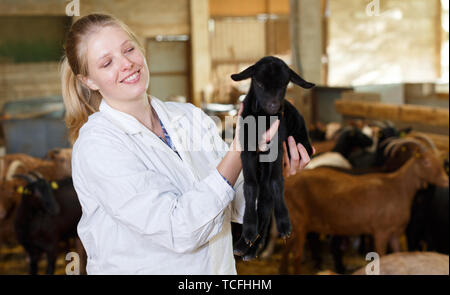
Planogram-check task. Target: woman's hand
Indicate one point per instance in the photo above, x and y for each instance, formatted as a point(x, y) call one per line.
point(295, 164)
point(266, 137)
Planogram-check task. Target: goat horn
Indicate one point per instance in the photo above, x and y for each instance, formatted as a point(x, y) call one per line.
point(402, 141)
point(379, 124)
point(387, 141)
point(390, 123)
point(390, 143)
point(13, 168)
point(426, 139)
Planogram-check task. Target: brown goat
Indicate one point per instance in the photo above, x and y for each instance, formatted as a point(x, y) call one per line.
point(328, 201)
point(56, 166)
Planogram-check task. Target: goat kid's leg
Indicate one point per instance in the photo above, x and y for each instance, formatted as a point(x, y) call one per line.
point(251, 192)
point(276, 187)
point(272, 239)
point(281, 212)
point(264, 211)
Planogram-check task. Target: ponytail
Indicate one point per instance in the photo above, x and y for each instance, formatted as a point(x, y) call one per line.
point(79, 101)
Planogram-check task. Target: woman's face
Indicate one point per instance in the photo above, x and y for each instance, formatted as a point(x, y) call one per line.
point(117, 67)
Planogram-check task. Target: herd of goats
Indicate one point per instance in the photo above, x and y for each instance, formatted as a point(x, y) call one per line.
point(374, 183)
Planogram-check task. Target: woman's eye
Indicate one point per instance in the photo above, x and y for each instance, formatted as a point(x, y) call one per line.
point(106, 64)
point(130, 49)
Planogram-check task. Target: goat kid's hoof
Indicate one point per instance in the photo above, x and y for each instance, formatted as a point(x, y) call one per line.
point(238, 252)
point(249, 257)
point(285, 231)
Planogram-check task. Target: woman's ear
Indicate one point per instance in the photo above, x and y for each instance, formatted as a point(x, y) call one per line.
point(88, 82)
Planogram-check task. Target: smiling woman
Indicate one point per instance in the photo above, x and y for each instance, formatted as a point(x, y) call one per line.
point(81, 89)
point(151, 204)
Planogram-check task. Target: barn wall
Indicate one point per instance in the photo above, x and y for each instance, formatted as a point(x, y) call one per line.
point(147, 18)
point(402, 44)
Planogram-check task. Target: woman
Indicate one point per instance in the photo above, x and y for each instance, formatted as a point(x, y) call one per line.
point(151, 203)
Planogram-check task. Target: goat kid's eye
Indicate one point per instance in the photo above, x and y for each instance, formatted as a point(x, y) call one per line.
point(259, 85)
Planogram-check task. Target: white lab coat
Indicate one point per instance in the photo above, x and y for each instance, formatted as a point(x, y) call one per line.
point(146, 211)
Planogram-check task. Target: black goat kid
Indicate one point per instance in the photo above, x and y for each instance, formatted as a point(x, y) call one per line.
point(263, 179)
point(48, 213)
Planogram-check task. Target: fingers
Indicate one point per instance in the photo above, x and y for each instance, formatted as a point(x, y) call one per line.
point(304, 154)
point(299, 157)
point(295, 157)
point(241, 108)
point(286, 163)
point(268, 136)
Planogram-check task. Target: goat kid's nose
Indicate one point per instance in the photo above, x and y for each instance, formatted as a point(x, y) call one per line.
point(274, 105)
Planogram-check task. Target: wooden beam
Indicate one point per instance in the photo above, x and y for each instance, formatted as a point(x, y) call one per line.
point(404, 113)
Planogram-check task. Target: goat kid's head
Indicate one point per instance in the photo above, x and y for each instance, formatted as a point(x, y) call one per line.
point(270, 77)
point(38, 191)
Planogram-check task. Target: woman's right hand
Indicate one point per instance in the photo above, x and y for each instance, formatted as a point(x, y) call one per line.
point(266, 137)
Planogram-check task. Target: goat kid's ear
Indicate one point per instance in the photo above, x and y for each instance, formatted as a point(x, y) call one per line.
point(245, 74)
point(296, 79)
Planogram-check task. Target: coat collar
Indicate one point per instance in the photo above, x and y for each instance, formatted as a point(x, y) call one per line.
point(130, 124)
point(169, 115)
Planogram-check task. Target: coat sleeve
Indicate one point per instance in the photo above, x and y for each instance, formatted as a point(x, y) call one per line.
point(146, 201)
point(221, 148)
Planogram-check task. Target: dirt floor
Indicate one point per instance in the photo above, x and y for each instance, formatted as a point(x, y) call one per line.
point(14, 261)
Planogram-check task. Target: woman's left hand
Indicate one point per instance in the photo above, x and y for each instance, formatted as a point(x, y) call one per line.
point(299, 157)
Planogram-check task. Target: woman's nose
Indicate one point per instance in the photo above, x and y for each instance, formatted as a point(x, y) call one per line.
point(126, 64)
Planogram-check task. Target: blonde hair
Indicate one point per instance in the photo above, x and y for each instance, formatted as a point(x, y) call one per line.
point(79, 100)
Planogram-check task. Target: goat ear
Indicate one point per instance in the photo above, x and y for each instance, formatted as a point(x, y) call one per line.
point(245, 74)
point(405, 131)
point(296, 79)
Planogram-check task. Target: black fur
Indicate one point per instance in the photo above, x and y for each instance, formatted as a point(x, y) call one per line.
point(263, 181)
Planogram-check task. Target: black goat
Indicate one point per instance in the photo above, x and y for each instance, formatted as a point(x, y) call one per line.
point(48, 213)
point(365, 160)
point(429, 221)
point(263, 180)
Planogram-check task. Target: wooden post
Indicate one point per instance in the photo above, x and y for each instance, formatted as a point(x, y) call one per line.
point(200, 55)
point(307, 37)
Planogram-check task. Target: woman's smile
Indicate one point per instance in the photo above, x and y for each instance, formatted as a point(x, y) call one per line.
point(133, 78)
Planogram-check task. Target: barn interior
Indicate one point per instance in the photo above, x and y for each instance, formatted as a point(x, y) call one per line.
point(377, 65)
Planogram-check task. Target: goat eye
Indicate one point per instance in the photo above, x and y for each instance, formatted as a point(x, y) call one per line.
point(259, 85)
